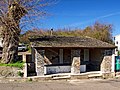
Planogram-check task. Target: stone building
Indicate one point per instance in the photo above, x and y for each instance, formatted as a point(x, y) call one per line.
point(75, 55)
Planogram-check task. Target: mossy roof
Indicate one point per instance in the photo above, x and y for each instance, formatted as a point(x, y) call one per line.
point(62, 41)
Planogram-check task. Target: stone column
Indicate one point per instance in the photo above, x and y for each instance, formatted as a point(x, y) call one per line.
point(113, 63)
point(40, 62)
point(24, 57)
point(106, 64)
point(106, 67)
point(75, 56)
point(61, 56)
point(25, 70)
point(33, 51)
point(86, 54)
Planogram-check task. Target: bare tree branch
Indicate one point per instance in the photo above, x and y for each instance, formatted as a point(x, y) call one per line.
point(13, 13)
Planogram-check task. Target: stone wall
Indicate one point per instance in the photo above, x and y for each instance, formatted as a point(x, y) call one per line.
point(6, 71)
point(39, 56)
point(106, 65)
point(96, 55)
point(52, 54)
point(67, 56)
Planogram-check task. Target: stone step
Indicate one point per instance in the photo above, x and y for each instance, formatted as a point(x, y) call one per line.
point(94, 75)
point(93, 72)
point(61, 77)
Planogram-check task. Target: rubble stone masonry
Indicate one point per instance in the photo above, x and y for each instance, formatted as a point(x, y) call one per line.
point(75, 56)
point(40, 62)
point(106, 66)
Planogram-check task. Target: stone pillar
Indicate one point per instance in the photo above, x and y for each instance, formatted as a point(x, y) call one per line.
point(113, 63)
point(106, 66)
point(61, 56)
point(25, 70)
point(40, 62)
point(24, 57)
point(75, 56)
point(86, 54)
point(33, 51)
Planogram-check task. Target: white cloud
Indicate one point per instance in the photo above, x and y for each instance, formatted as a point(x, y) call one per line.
point(92, 20)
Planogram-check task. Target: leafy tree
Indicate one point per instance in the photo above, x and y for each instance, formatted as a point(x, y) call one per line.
point(12, 14)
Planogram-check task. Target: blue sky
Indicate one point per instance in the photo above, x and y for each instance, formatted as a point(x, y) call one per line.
point(82, 13)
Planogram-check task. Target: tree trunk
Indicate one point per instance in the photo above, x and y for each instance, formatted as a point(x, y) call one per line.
point(10, 35)
point(9, 53)
point(11, 32)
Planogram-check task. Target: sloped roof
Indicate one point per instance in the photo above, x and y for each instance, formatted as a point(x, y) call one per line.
point(60, 41)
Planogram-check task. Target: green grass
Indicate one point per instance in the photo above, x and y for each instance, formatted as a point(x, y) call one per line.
point(20, 74)
point(17, 64)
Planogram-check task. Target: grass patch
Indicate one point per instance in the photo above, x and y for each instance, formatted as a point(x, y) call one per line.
point(30, 79)
point(17, 64)
point(20, 74)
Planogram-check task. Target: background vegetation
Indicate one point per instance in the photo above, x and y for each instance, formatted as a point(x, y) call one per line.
point(98, 30)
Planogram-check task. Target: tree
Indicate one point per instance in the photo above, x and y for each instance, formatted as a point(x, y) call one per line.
point(12, 13)
point(102, 32)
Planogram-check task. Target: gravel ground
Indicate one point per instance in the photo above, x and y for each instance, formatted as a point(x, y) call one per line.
point(63, 85)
